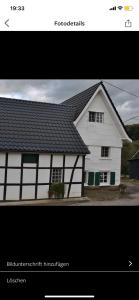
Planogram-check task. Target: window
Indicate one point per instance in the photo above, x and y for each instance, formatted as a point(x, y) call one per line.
point(103, 177)
point(56, 175)
point(96, 117)
point(105, 151)
point(30, 158)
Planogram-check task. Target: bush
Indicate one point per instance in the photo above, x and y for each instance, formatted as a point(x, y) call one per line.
point(56, 190)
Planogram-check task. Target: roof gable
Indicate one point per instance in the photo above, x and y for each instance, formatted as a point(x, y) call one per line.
point(81, 102)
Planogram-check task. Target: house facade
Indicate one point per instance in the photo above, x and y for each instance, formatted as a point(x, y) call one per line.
point(76, 142)
point(103, 131)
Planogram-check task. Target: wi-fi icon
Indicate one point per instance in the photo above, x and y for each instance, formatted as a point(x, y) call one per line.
point(120, 7)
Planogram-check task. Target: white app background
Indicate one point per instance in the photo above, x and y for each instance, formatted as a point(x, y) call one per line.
point(69, 15)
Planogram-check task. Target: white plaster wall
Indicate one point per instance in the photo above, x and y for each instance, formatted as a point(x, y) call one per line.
point(94, 133)
point(57, 160)
point(43, 176)
point(75, 190)
point(77, 175)
point(29, 176)
point(66, 190)
point(42, 191)
point(2, 159)
point(12, 193)
point(44, 160)
point(79, 163)
point(13, 176)
point(67, 175)
point(2, 173)
point(70, 160)
point(1, 192)
point(14, 159)
point(28, 192)
point(113, 164)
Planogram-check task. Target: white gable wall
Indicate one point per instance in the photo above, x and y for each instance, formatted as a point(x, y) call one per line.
point(99, 133)
point(95, 135)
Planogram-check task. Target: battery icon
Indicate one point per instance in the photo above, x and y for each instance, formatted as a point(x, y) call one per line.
point(128, 8)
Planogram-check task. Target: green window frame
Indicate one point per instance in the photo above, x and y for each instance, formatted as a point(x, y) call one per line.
point(29, 158)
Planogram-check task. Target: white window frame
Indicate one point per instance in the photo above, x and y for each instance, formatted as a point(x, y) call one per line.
point(97, 118)
point(103, 183)
point(104, 148)
point(56, 175)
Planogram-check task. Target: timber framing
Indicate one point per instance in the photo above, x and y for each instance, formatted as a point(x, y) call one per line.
point(36, 168)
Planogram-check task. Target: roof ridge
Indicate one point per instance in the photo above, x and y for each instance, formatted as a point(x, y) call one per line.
point(92, 86)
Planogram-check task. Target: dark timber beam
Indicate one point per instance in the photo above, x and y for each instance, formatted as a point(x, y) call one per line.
point(71, 177)
point(5, 178)
point(83, 174)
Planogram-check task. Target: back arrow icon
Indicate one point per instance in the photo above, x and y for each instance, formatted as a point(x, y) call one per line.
point(130, 263)
point(6, 22)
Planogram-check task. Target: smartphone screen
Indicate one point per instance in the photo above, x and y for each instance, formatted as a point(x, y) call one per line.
point(69, 15)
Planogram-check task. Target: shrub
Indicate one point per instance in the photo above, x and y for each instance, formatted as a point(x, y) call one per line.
point(56, 189)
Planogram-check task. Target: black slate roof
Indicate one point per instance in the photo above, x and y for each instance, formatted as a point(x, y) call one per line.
point(38, 126)
point(79, 101)
point(135, 156)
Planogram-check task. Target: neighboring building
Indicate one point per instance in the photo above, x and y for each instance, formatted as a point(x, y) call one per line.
point(42, 143)
point(134, 166)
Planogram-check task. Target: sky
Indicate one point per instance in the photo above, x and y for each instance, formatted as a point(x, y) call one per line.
point(56, 91)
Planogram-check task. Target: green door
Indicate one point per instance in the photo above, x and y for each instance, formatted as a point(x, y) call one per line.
point(91, 178)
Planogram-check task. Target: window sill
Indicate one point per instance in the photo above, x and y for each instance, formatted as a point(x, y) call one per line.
point(105, 158)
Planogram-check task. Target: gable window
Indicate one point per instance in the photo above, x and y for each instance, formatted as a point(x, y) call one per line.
point(103, 177)
point(105, 151)
point(30, 158)
point(96, 117)
point(56, 175)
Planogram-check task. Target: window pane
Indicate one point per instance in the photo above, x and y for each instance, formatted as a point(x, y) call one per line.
point(104, 151)
point(30, 158)
point(56, 175)
point(91, 116)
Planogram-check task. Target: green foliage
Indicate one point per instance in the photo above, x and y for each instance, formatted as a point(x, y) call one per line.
point(57, 189)
point(133, 131)
point(128, 151)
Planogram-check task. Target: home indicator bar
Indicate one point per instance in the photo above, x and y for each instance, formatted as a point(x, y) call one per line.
point(69, 296)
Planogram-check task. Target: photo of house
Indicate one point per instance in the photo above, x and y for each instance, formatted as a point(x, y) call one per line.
point(75, 143)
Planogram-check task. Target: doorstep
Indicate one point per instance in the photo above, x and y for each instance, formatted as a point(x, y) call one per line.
point(49, 202)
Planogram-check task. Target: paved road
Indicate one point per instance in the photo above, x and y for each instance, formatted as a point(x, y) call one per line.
point(121, 202)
